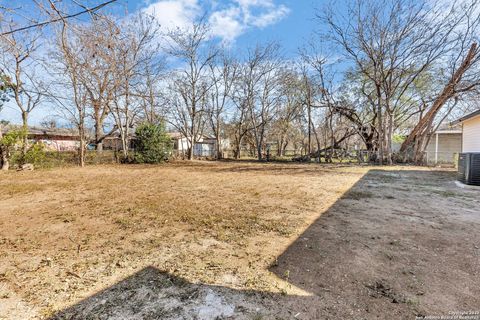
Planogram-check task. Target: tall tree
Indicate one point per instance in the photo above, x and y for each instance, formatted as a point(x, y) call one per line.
point(391, 43)
point(223, 74)
point(192, 83)
point(98, 41)
point(19, 63)
point(135, 46)
point(286, 121)
point(6, 88)
point(259, 82)
point(69, 72)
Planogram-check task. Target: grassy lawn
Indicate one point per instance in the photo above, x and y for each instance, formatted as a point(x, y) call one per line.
point(267, 241)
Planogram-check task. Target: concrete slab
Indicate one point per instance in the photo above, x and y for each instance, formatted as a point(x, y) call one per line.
point(466, 186)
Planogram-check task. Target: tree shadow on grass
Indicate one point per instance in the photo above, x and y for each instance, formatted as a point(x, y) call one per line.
point(153, 294)
point(389, 247)
point(377, 253)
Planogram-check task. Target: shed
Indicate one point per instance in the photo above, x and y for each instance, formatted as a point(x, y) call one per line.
point(204, 147)
point(445, 144)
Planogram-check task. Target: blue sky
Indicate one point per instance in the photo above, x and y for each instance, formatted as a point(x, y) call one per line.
point(239, 24)
point(292, 31)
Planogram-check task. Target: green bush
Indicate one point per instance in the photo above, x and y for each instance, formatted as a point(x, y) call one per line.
point(12, 138)
point(10, 143)
point(153, 145)
point(36, 154)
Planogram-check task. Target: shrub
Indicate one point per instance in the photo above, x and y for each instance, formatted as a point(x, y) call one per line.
point(36, 154)
point(9, 143)
point(153, 145)
point(12, 138)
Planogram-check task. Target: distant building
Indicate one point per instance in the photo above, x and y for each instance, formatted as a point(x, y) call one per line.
point(54, 139)
point(114, 142)
point(445, 144)
point(204, 147)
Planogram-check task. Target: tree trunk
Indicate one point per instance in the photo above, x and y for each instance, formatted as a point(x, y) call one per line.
point(237, 150)
point(389, 139)
point(218, 140)
point(124, 136)
point(125, 148)
point(99, 147)
point(81, 152)
point(25, 137)
point(280, 146)
point(380, 129)
point(448, 92)
point(309, 127)
point(192, 146)
point(4, 159)
point(99, 134)
point(259, 141)
point(284, 148)
point(4, 164)
point(219, 148)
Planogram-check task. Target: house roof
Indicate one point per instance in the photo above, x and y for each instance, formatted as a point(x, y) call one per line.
point(467, 117)
point(179, 135)
point(449, 128)
point(39, 131)
point(175, 135)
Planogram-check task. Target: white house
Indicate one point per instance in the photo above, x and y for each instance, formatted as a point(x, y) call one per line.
point(204, 147)
point(471, 132)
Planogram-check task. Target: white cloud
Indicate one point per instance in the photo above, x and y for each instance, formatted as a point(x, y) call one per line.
point(242, 15)
point(173, 14)
point(228, 21)
point(255, 3)
point(271, 17)
point(226, 25)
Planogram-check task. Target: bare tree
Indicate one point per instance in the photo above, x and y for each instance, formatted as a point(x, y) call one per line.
point(74, 105)
point(135, 47)
point(239, 124)
point(18, 62)
point(336, 108)
point(150, 90)
point(259, 94)
point(49, 7)
point(457, 85)
point(191, 84)
point(6, 87)
point(98, 66)
point(286, 123)
point(391, 44)
point(310, 91)
point(223, 75)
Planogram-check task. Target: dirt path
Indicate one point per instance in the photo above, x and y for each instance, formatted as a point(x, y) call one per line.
point(400, 243)
point(237, 241)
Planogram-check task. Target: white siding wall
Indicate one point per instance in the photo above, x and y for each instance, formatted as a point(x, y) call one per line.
point(471, 135)
point(449, 144)
point(182, 144)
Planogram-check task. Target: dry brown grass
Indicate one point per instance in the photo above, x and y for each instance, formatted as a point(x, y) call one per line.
point(67, 232)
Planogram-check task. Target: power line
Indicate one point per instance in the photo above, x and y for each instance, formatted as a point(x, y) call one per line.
point(44, 23)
